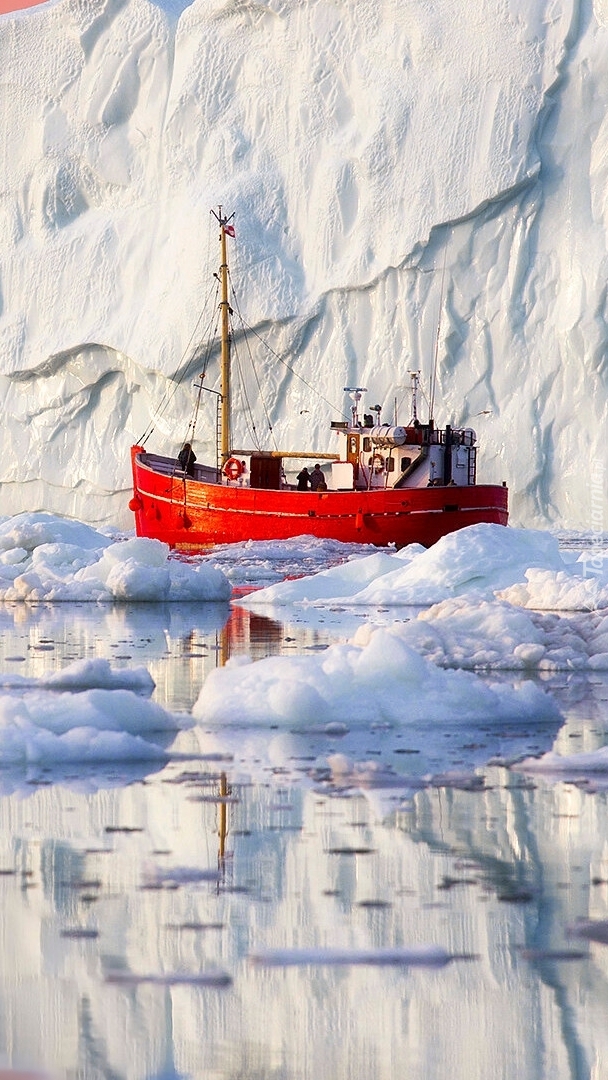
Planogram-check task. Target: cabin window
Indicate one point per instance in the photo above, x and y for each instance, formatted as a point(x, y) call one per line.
point(405, 463)
point(367, 445)
point(390, 464)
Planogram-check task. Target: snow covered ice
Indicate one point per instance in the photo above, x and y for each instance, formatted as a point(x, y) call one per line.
point(480, 559)
point(44, 558)
point(396, 672)
point(496, 636)
point(561, 591)
point(381, 681)
point(474, 584)
point(84, 675)
point(403, 674)
point(86, 714)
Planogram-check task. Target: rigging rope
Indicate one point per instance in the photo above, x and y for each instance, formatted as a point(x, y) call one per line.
point(255, 373)
point(276, 356)
point(174, 384)
point(211, 336)
point(247, 405)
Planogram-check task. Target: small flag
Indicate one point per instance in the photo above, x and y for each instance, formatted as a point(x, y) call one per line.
point(229, 230)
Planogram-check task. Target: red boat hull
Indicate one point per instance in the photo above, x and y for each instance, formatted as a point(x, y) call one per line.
point(192, 516)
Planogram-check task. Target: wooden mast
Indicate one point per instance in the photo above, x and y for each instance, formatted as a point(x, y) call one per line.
point(225, 433)
point(225, 428)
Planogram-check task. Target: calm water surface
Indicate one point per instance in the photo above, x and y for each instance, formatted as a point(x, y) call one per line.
point(133, 901)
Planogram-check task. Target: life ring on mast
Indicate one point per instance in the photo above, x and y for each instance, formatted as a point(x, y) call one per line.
point(233, 468)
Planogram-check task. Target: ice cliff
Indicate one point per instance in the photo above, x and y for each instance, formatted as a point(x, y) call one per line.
point(407, 179)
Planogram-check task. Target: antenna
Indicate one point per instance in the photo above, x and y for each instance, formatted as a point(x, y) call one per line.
point(355, 393)
point(415, 377)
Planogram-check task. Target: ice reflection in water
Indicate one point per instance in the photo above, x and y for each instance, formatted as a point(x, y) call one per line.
point(134, 901)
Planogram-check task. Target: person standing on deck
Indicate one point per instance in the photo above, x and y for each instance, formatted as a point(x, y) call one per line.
point(316, 478)
point(303, 480)
point(186, 458)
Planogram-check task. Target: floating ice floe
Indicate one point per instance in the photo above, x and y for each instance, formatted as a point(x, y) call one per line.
point(493, 635)
point(480, 558)
point(25, 532)
point(549, 590)
point(263, 562)
point(85, 675)
point(96, 725)
point(382, 680)
point(46, 558)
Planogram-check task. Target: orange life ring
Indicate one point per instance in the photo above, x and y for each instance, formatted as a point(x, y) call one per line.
point(233, 468)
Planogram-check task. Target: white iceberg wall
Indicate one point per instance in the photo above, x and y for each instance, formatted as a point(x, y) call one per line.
point(361, 146)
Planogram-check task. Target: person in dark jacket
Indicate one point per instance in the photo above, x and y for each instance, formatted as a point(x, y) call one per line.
point(186, 458)
point(317, 480)
point(303, 480)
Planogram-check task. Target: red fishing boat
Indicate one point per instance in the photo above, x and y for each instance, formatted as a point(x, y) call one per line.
point(386, 483)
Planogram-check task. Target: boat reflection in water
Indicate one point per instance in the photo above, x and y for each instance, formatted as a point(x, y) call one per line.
point(132, 911)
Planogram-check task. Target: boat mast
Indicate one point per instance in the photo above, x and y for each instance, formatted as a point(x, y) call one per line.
point(225, 434)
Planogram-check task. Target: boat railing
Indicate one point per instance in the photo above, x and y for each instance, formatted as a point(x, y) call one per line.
point(171, 467)
point(159, 464)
